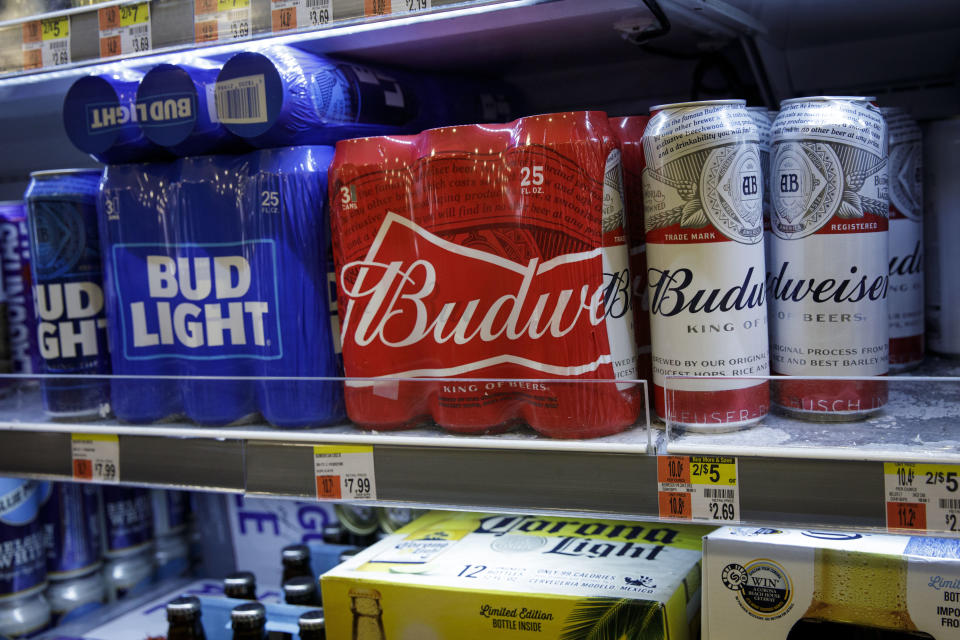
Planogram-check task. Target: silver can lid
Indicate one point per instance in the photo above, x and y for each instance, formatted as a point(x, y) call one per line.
point(698, 103)
point(824, 99)
point(183, 608)
point(311, 620)
point(248, 615)
point(295, 553)
point(299, 586)
point(53, 173)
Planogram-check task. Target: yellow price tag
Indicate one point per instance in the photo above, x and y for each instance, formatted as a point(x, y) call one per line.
point(227, 5)
point(713, 470)
point(132, 14)
point(344, 472)
point(55, 28)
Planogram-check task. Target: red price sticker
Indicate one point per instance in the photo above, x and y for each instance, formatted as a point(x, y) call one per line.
point(922, 497)
point(344, 472)
point(698, 488)
point(96, 457)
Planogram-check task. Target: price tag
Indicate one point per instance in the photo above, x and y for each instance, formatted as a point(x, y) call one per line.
point(221, 20)
point(344, 472)
point(46, 43)
point(300, 14)
point(124, 29)
point(698, 488)
point(393, 7)
point(922, 497)
point(96, 457)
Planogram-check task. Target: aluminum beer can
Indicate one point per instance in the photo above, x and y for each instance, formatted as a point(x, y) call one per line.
point(75, 597)
point(905, 186)
point(703, 209)
point(941, 151)
point(829, 266)
point(171, 511)
point(23, 558)
point(24, 616)
point(763, 118)
point(18, 287)
point(71, 524)
point(71, 323)
point(129, 575)
point(128, 521)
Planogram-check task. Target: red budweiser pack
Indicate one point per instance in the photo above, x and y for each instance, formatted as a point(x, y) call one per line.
point(493, 254)
point(630, 132)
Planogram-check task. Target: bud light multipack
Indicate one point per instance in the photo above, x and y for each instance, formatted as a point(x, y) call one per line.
point(71, 325)
point(492, 252)
point(222, 272)
point(478, 575)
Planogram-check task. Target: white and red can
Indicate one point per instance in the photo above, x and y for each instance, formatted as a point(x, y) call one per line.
point(630, 132)
point(829, 257)
point(763, 118)
point(703, 209)
point(905, 300)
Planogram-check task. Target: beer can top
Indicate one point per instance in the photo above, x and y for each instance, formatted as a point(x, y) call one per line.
point(48, 174)
point(827, 99)
point(311, 620)
point(249, 614)
point(697, 103)
point(299, 586)
point(183, 608)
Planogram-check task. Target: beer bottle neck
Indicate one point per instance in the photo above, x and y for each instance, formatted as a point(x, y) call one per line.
point(185, 630)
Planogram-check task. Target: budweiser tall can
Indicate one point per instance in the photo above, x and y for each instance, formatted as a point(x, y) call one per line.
point(630, 132)
point(703, 208)
point(829, 268)
point(941, 153)
point(905, 182)
point(491, 252)
point(763, 118)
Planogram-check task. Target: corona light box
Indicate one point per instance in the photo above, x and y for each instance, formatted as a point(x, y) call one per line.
point(475, 575)
point(779, 584)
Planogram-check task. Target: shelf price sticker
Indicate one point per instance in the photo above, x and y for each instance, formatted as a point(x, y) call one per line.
point(923, 497)
point(698, 488)
point(124, 29)
point(393, 7)
point(46, 43)
point(344, 472)
point(221, 20)
point(96, 457)
point(288, 15)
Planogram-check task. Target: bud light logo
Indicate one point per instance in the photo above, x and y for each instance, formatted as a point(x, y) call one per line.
point(198, 301)
point(71, 319)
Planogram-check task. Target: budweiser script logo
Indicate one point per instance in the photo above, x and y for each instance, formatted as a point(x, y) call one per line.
point(395, 301)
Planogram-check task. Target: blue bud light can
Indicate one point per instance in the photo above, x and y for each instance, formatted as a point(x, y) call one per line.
point(23, 556)
point(136, 227)
point(100, 115)
point(178, 110)
point(128, 521)
point(18, 286)
point(71, 522)
point(71, 323)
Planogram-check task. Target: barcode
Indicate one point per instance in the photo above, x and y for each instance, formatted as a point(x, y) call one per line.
point(718, 494)
point(313, 4)
point(950, 503)
point(142, 30)
point(242, 100)
point(58, 44)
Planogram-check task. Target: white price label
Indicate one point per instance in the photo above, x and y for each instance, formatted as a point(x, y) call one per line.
point(344, 472)
point(286, 15)
point(46, 43)
point(698, 488)
point(124, 29)
point(922, 497)
point(393, 7)
point(96, 457)
point(221, 20)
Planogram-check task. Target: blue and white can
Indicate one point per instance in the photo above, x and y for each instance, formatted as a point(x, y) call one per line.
point(128, 521)
point(71, 322)
point(171, 512)
point(71, 522)
point(23, 556)
point(74, 598)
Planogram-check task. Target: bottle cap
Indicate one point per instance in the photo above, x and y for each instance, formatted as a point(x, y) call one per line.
point(183, 608)
point(241, 583)
point(299, 587)
point(295, 553)
point(248, 615)
point(311, 620)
